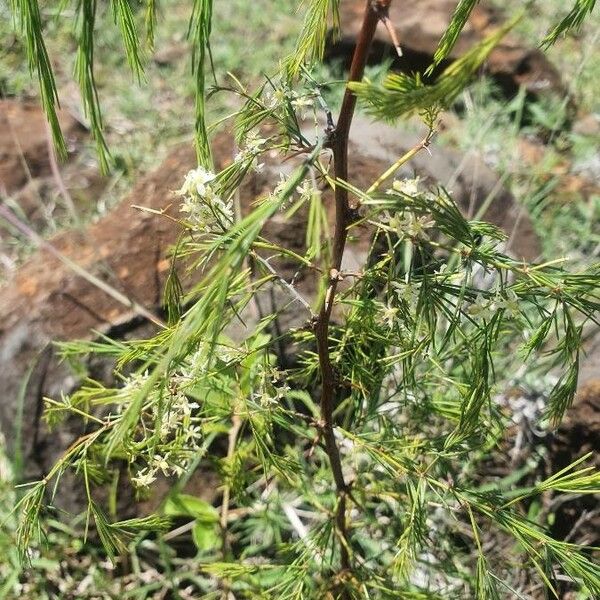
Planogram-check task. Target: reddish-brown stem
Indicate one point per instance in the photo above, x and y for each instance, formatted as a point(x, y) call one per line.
point(374, 10)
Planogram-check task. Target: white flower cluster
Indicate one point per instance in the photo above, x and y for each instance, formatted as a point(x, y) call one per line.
point(486, 308)
point(302, 103)
point(173, 421)
point(409, 225)
point(406, 224)
point(179, 414)
point(204, 208)
point(158, 464)
point(408, 187)
point(170, 422)
point(251, 150)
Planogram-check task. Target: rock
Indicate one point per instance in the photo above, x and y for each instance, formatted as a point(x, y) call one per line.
point(170, 55)
point(420, 25)
point(45, 300)
point(24, 142)
point(589, 169)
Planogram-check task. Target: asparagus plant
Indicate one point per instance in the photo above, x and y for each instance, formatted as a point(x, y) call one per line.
point(355, 470)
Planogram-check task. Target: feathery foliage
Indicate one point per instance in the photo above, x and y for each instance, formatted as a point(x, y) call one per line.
point(84, 73)
point(403, 94)
point(573, 20)
point(123, 17)
point(310, 46)
point(349, 445)
point(27, 15)
point(459, 19)
point(150, 22)
point(199, 34)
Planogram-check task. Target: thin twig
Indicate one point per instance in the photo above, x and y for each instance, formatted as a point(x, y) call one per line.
point(236, 424)
point(62, 188)
point(26, 169)
point(374, 10)
point(424, 143)
point(282, 282)
point(392, 33)
point(585, 517)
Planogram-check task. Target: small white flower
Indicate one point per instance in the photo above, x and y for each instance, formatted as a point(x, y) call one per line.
point(253, 146)
point(407, 292)
point(177, 470)
point(389, 315)
point(409, 225)
point(193, 433)
point(280, 184)
point(305, 189)
point(282, 391)
point(168, 424)
point(134, 382)
point(196, 182)
point(303, 104)
point(276, 375)
point(161, 463)
point(481, 308)
point(408, 187)
point(510, 303)
point(276, 97)
point(415, 227)
point(283, 181)
point(265, 399)
point(254, 143)
point(144, 478)
point(205, 212)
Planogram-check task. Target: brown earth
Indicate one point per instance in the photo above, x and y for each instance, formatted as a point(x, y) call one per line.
point(46, 192)
point(24, 135)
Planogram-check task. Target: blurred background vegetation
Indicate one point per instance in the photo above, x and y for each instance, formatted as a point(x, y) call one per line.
point(144, 120)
